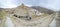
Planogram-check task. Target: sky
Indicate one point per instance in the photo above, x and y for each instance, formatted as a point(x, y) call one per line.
point(50, 4)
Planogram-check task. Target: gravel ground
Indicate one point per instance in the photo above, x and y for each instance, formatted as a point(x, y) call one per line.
point(10, 24)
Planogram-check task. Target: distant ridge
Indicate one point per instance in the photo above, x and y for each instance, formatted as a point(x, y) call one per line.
point(41, 9)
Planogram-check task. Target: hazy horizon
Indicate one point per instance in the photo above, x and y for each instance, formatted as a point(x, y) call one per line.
point(51, 4)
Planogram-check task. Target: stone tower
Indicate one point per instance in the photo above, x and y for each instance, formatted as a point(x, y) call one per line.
point(22, 5)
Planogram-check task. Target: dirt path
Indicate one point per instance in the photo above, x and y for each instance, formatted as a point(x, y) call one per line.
point(9, 23)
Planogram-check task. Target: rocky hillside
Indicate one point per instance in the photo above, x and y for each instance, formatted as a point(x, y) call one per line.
point(4, 12)
point(43, 10)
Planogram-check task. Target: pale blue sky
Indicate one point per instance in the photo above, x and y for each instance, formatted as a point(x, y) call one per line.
point(52, 4)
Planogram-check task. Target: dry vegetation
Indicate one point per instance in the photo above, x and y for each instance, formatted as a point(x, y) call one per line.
point(2, 14)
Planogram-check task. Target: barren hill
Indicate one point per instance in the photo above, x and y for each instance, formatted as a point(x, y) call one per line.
point(43, 10)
